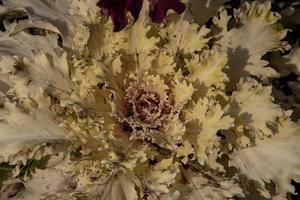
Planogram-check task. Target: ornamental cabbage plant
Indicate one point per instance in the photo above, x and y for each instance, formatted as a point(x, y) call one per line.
point(154, 100)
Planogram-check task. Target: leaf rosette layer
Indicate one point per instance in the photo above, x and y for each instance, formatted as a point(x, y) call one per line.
point(176, 110)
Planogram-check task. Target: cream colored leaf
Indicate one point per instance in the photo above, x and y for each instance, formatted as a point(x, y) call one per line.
point(221, 30)
point(16, 42)
point(210, 187)
point(275, 158)
point(182, 92)
point(208, 139)
point(21, 129)
point(87, 9)
point(21, 87)
point(116, 66)
point(182, 35)
point(44, 183)
point(126, 186)
point(164, 63)
point(206, 118)
point(287, 66)
point(289, 63)
point(119, 187)
point(248, 105)
point(7, 64)
point(208, 68)
point(75, 34)
point(257, 34)
point(103, 41)
point(185, 150)
point(33, 23)
point(5, 85)
point(174, 131)
point(87, 74)
point(139, 40)
point(50, 72)
point(162, 176)
point(144, 62)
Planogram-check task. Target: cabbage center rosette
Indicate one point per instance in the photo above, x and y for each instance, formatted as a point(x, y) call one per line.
point(176, 110)
point(146, 105)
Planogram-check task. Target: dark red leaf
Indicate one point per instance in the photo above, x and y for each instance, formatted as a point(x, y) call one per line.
point(117, 10)
point(159, 9)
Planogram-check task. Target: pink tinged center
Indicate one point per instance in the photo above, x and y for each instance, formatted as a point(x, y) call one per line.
point(147, 107)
